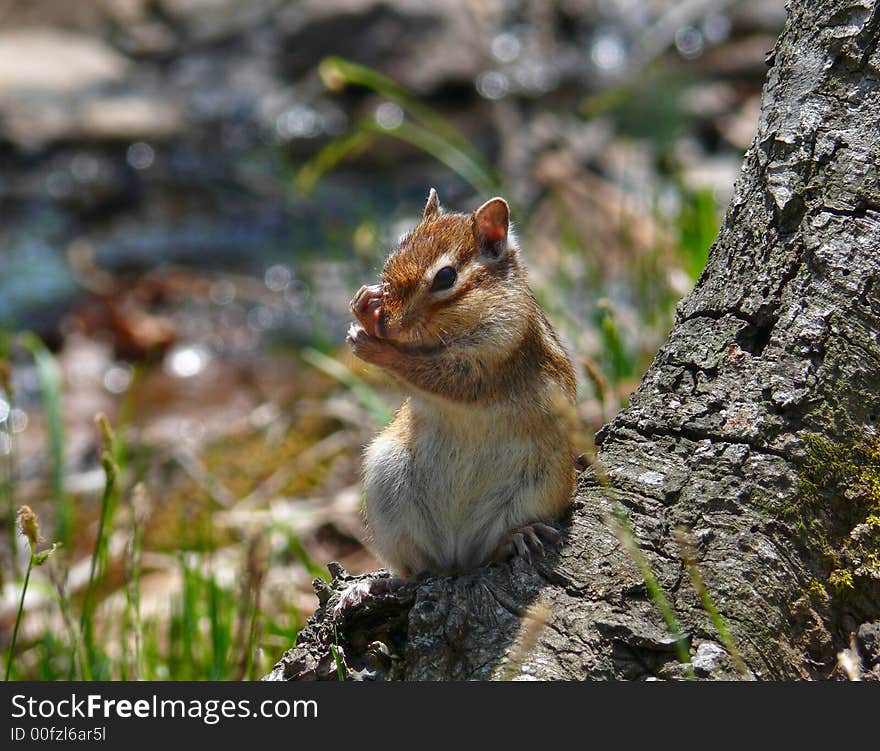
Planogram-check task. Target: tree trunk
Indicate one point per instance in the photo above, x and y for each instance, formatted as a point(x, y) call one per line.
point(754, 429)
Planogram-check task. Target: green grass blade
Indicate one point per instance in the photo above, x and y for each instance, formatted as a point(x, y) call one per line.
point(50, 384)
point(18, 617)
point(99, 553)
point(338, 72)
point(189, 619)
point(133, 579)
point(655, 591)
point(427, 130)
point(689, 557)
point(698, 225)
point(334, 650)
point(219, 607)
point(458, 160)
point(327, 158)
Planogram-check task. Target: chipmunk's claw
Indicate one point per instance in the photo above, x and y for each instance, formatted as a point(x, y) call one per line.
point(523, 549)
point(546, 532)
point(528, 540)
point(355, 331)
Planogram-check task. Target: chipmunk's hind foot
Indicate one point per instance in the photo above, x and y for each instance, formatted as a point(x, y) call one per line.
point(527, 540)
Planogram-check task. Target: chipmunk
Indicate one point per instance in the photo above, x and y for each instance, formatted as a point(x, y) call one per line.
point(479, 456)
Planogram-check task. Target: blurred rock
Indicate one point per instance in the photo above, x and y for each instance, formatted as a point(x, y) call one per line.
point(36, 286)
point(31, 123)
point(148, 38)
point(130, 116)
point(125, 11)
point(206, 20)
point(55, 62)
point(79, 15)
point(421, 45)
point(63, 85)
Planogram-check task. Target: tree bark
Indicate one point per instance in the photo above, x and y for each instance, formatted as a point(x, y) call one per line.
point(754, 429)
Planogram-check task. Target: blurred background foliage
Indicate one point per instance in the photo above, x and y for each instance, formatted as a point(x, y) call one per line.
point(191, 191)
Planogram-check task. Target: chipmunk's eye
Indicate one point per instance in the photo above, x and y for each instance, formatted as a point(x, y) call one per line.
point(444, 279)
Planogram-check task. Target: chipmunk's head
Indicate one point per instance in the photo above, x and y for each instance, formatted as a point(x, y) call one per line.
point(455, 280)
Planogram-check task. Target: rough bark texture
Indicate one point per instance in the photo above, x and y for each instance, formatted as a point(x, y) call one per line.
point(754, 429)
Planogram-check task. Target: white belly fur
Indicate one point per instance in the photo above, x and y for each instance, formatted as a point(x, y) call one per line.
point(443, 501)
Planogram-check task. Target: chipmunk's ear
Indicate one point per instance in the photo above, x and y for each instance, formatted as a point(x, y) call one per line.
point(432, 207)
point(490, 224)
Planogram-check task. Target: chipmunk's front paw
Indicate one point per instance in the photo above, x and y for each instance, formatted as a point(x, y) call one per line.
point(366, 306)
point(367, 347)
point(358, 339)
point(527, 540)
